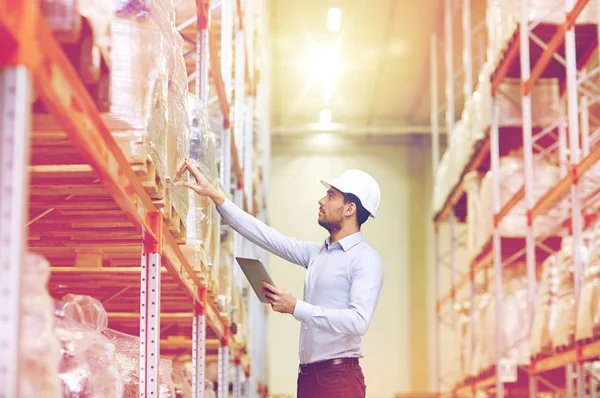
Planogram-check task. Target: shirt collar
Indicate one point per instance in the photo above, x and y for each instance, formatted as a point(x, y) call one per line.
point(346, 243)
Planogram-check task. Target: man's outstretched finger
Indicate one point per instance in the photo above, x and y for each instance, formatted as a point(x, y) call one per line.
point(193, 170)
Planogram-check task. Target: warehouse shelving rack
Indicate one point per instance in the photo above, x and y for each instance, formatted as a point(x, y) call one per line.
point(76, 207)
point(542, 46)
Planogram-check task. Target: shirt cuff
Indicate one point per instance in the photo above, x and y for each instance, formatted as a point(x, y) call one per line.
point(303, 311)
point(226, 208)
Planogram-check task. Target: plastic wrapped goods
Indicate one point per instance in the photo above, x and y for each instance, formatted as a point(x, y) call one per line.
point(225, 271)
point(544, 320)
point(511, 180)
point(127, 361)
point(484, 354)
point(139, 106)
point(182, 382)
point(203, 221)
point(588, 316)
point(178, 136)
point(88, 367)
point(515, 314)
point(39, 350)
point(86, 310)
point(565, 304)
point(503, 16)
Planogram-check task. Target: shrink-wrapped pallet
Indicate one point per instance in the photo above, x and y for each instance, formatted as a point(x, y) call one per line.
point(482, 357)
point(472, 183)
point(88, 364)
point(515, 315)
point(503, 17)
point(127, 356)
point(544, 320)
point(565, 305)
point(86, 310)
point(203, 220)
point(511, 176)
point(178, 136)
point(39, 347)
point(138, 116)
point(588, 314)
point(224, 277)
point(182, 382)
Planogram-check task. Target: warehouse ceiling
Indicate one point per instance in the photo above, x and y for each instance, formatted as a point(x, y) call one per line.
point(379, 59)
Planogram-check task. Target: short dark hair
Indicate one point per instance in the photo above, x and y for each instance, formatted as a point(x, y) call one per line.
point(362, 215)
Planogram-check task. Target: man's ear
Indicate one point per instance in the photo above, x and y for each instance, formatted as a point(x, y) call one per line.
point(351, 209)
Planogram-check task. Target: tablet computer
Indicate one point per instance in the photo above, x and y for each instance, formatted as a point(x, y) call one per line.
point(255, 273)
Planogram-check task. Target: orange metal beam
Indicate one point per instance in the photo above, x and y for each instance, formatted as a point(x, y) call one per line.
point(557, 39)
point(517, 197)
point(506, 63)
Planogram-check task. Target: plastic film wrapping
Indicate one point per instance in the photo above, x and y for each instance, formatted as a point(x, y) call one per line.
point(182, 382)
point(127, 361)
point(99, 14)
point(511, 180)
point(86, 310)
point(564, 331)
point(178, 136)
point(503, 16)
point(39, 350)
point(203, 219)
point(139, 106)
point(544, 320)
point(482, 358)
point(88, 366)
point(516, 314)
point(588, 316)
point(225, 272)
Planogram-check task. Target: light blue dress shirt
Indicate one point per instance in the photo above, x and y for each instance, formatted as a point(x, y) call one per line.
point(342, 287)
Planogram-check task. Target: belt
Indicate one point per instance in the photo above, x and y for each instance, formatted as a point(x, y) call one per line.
point(336, 363)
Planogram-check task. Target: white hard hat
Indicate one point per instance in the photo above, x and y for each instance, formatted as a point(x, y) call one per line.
point(360, 184)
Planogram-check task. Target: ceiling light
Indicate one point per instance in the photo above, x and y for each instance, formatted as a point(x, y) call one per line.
point(325, 139)
point(327, 90)
point(325, 116)
point(323, 63)
point(334, 19)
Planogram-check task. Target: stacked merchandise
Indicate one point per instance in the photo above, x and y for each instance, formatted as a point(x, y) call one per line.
point(39, 351)
point(515, 314)
point(544, 321)
point(564, 331)
point(476, 120)
point(203, 219)
point(588, 316)
point(88, 364)
point(224, 280)
point(511, 175)
point(483, 357)
point(503, 17)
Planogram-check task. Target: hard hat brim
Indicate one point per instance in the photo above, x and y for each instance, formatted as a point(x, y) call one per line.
point(328, 186)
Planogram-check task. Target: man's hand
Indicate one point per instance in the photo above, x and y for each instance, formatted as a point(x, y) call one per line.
point(281, 300)
point(202, 187)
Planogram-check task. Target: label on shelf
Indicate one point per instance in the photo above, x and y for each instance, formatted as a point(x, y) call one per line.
point(508, 370)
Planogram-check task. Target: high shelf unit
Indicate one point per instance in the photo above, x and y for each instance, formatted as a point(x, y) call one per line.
point(535, 53)
point(70, 194)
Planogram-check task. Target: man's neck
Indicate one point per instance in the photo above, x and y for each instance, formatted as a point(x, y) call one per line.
point(344, 232)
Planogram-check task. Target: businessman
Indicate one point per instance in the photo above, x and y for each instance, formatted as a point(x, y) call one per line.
point(342, 286)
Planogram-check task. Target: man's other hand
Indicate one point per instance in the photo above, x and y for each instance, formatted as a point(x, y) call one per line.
point(281, 300)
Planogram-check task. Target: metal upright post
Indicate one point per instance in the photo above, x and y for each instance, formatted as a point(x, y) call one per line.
point(150, 308)
point(223, 370)
point(574, 150)
point(562, 138)
point(199, 346)
point(467, 49)
point(248, 152)
point(449, 51)
point(240, 69)
point(202, 53)
point(585, 121)
point(495, 162)
point(237, 381)
point(435, 155)
point(529, 188)
point(15, 109)
point(226, 72)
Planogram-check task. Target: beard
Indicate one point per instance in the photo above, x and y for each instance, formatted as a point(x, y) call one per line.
point(333, 223)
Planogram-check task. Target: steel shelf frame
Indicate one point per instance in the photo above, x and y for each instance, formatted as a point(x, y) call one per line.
point(31, 57)
point(574, 160)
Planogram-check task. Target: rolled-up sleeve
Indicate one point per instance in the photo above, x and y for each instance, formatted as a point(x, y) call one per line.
point(259, 233)
point(367, 285)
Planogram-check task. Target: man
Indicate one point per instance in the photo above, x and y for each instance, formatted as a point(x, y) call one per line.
point(342, 286)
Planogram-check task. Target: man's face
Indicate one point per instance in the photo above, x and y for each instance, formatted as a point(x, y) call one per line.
point(331, 210)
